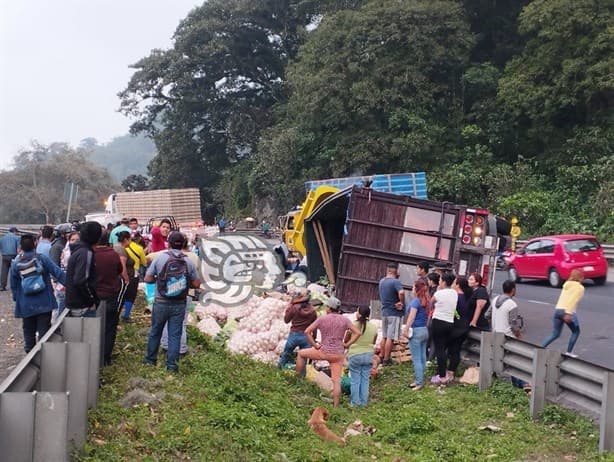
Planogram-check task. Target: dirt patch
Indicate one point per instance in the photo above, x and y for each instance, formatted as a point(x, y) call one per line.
point(11, 336)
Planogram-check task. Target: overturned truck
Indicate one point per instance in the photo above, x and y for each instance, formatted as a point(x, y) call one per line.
point(352, 236)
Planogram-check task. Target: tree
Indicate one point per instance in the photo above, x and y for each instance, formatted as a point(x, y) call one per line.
point(37, 182)
point(376, 89)
point(562, 82)
point(135, 183)
point(206, 100)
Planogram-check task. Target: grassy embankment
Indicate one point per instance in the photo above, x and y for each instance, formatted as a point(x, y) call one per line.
point(222, 407)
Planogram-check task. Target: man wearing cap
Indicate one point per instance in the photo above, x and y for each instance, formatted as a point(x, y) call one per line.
point(168, 309)
point(301, 314)
point(9, 247)
point(123, 226)
point(331, 347)
point(392, 297)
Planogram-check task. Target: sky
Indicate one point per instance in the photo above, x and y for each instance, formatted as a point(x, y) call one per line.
point(62, 63)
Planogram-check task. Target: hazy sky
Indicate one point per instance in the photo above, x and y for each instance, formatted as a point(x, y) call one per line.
point(62, 63)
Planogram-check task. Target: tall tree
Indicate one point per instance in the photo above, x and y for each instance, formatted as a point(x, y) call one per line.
point(206, 100)
point(376, 89)
point(562, 84)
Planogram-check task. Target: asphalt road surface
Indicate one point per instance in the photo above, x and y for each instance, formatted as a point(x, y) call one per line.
point(536, 300)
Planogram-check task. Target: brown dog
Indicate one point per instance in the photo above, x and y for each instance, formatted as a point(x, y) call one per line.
point(317, 422)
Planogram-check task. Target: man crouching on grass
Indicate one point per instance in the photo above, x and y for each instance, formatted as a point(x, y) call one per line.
point(173, 274)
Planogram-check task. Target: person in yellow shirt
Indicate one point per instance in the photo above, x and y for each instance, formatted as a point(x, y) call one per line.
point(565, 312)
point(134, 257)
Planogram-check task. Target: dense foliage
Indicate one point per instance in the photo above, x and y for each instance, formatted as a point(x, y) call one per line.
point(507, 104)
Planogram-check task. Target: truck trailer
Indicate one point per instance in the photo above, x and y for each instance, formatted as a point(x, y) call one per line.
point(353, 234)
point(182, 204)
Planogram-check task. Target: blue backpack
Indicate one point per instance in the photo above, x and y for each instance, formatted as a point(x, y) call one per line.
point(172, 281)
point(31, 273)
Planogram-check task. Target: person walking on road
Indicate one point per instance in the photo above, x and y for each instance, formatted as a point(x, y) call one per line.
point(34, 306)
point(9, 247)
point(565, 312)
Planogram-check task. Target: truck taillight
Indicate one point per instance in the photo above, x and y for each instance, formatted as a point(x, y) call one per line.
point(473, 229)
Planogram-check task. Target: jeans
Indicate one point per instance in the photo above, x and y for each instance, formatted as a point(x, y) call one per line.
point(557, 327)
point(184, 336)
point(31, 325)
point(6, 266)
point(360, 370)
point(162, 313)
point(60, 297)
point(295, 339)
point(417, 347)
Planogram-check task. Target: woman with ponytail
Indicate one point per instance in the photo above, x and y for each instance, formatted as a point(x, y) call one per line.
point(419, 334)
point(360, 357)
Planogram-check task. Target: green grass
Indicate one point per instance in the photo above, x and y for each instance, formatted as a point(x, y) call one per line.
point(228, 408)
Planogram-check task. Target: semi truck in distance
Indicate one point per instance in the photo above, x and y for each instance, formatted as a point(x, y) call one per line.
point(182, 204)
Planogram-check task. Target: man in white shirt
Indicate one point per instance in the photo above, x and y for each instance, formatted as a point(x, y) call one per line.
point(505, 316)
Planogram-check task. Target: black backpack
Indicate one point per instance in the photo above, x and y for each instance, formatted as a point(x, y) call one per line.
point(172, 281)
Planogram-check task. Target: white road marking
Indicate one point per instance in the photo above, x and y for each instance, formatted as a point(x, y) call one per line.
point(539, 302)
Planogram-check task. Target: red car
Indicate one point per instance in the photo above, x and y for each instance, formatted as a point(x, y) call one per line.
point(554, 257)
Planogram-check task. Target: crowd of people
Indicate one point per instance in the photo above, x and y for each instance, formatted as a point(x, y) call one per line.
point(435, 321)
point(78, 266)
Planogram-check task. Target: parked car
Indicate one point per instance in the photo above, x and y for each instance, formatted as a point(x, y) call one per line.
point(554, 257)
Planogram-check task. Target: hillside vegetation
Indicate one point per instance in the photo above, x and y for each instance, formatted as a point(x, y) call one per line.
point(506, 105)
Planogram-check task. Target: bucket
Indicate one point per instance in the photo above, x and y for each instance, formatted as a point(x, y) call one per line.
point(150, 292)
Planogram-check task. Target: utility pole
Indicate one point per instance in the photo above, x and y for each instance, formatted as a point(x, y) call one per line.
point(71, 192)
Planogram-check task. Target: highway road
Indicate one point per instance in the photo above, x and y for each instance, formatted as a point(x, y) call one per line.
point(536, 300)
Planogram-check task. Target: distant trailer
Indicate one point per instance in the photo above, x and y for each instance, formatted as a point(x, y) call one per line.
point(183, 204)
point(404, 184)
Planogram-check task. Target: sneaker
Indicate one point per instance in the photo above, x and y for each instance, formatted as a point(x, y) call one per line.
point(570, 354)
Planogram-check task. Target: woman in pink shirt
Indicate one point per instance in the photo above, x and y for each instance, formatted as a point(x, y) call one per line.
point(333, 327)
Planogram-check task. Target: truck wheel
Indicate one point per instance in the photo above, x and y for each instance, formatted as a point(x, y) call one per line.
point(554, 278)
point(513, 274)
point(599, 281)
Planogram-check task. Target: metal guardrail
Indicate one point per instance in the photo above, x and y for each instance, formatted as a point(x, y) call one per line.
point(45, 399)
point(570, 382)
